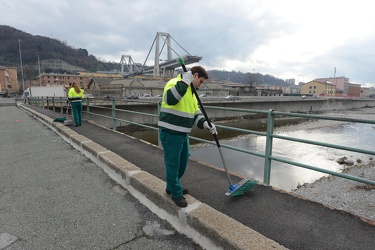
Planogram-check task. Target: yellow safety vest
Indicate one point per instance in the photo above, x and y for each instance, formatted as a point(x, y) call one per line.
point(182, 112)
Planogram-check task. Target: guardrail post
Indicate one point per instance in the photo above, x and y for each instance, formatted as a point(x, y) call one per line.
point(114, 114)
point(88, 108)
point(61, 106)
point(159, 106)
point(268, 153)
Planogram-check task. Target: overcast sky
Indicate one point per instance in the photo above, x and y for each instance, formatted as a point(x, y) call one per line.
point(297, 39)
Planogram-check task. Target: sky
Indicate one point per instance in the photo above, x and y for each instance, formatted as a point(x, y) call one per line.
point(296, 39)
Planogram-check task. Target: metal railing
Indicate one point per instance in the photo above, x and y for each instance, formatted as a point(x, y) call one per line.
point(268, 134)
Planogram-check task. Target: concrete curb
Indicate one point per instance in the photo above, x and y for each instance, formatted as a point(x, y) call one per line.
point(205, 225)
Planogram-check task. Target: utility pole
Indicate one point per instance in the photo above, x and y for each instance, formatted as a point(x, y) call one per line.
point(40, 81)
point(23, 82)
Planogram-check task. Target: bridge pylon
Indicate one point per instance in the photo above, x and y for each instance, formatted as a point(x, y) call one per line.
point(164, 67)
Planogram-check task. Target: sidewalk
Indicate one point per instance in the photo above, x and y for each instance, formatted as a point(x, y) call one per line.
point(53, 197)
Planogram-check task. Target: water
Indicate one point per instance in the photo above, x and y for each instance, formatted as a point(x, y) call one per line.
point(285, 176)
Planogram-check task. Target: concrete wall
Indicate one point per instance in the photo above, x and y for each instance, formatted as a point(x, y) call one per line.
point(295, 106)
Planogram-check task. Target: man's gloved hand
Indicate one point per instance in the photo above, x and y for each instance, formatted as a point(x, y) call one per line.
point(212, 129)
point(187, 77)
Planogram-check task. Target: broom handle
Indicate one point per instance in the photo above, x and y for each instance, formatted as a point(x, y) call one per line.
point(208, 121)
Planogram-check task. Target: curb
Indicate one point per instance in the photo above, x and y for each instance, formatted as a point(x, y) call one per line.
point(208, 227)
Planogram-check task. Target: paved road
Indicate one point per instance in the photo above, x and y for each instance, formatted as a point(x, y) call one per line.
point(53, 197)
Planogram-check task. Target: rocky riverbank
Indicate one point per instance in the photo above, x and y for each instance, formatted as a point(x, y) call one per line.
point(343, 194)
point(339, 193)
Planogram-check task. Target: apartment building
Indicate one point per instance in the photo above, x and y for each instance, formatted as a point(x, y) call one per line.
point(318, 88)
point(368, 92)
point(64, 79)
point(341, 82)
point(354, 90)
point(8, 81)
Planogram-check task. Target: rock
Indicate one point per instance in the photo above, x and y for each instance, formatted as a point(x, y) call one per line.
point(341, 160)
point(349, 162)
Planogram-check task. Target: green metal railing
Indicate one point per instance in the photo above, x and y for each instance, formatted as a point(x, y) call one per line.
point(269, 134)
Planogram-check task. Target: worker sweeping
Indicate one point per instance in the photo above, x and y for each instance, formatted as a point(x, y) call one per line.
point(75, 96)
point(179, 112)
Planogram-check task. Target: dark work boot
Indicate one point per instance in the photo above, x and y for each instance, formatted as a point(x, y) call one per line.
point(184, 191)
point(180, 201)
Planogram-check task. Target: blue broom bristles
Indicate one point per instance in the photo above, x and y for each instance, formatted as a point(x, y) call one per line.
point(241, 187)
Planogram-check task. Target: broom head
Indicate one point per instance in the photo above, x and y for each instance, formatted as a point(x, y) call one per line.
point(241, 187)
point(60, 119)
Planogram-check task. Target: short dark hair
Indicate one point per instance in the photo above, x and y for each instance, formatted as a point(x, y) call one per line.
point(200, 70)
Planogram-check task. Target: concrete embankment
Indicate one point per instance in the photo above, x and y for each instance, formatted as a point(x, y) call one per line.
point(278, 104)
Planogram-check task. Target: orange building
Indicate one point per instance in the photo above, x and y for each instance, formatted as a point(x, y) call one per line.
point(318, 88)
point(64, 79)
point(8, 81)
point(354, 90)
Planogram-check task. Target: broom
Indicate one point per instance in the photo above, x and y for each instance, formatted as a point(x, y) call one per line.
point(234, 189)
point(62, 119)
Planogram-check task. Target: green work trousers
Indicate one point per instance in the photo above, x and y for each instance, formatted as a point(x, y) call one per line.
point(77, 112)
point(176, 156)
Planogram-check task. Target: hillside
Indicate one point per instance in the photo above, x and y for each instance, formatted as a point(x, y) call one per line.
point(53, 49)
point(47, 48)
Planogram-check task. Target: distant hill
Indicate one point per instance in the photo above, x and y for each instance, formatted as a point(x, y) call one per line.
point(47, 48)
point(246, 78)
point(53, 49)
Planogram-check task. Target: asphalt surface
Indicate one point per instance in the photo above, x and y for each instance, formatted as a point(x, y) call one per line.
point(289, 220)
point(53, 197)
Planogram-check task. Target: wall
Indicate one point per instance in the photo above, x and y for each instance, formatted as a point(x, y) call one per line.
point(295, 106)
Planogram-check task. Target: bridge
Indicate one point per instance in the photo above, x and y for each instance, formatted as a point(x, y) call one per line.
point(165, 68)
point(263, 218)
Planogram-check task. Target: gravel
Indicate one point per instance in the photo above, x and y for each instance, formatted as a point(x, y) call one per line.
point(343, 194)
point(340, 193)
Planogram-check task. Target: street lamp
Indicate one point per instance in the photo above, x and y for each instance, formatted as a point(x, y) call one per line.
point(23, 82)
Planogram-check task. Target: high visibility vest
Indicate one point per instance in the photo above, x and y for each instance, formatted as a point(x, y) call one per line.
point(74, 96)
point(179, 109)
